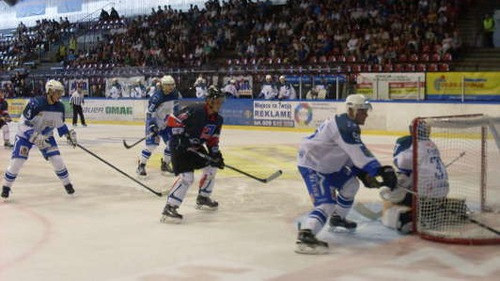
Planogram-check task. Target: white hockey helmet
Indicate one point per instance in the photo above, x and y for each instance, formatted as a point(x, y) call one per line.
point(282, 77)
point(269, 77)
point(167, 80)
point(53, 85)
point(357, 101)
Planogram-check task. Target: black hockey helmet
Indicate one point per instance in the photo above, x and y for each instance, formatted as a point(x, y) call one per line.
point(214, 93)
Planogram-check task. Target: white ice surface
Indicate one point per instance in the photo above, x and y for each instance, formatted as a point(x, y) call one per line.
point(111, 230)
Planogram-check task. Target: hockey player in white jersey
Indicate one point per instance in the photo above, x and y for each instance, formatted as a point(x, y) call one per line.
point(329, 161)
point(433, 177)
point(39, 119)
point(163, 102)
point(269, 90)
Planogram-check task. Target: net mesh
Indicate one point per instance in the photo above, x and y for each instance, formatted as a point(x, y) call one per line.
point(458, 193)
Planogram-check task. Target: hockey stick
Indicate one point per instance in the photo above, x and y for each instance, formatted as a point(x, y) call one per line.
point(120, 171)
point(129, 146)
point(264, 180)
point(366, 212)
point(455, 160)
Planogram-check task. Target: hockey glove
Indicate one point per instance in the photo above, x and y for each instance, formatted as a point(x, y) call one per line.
point(71, 138)
point(218, 160)
point(388, 175)
point(153, 129)
point(367, 180)
point(41, 141)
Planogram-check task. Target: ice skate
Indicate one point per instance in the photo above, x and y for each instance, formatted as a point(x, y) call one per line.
point(141, 170)
point(205, 203)
point(7, 144)
point(5, 192)
point(170, 215)
point(69, 189)
point(166, 167)
point(309, 245)
point(337, 221)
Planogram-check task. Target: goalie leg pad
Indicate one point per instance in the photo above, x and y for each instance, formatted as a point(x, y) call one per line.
point(397, 217)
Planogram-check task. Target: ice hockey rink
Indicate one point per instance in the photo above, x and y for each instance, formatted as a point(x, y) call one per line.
point(111, 230)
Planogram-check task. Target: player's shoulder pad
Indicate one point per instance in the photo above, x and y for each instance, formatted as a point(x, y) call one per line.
point(348, 129)
point(402, 144)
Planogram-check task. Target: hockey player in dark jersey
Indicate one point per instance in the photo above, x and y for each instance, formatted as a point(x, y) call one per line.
point(41, 116)
point(196, 127)
point(5, 119)
point(163, 102)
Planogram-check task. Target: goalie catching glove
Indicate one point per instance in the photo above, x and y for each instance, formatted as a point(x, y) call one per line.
point(71, 138)
point(385, 172)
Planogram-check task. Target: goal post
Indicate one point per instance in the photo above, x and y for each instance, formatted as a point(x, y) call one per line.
point(456, 178)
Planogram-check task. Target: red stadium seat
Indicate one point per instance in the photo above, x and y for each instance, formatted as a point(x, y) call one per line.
point(447, 57)
point(444, 67)
point(414, 58)
point(409, 67)
point(435, 57)
point(389, 67)
point(432, 67)
point(424, 57)
point(421, 67)
point(351, 59)
point(341, 58)
point(356, 68)
point(403, 58)
point(399, 67)
point(377, 68)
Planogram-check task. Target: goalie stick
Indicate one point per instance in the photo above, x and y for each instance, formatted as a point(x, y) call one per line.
point(263, 180)
point(120, 171)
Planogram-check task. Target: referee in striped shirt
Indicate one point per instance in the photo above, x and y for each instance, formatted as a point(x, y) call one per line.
point(77, 100)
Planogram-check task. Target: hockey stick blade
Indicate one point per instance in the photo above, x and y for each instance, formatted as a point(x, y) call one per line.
point(129, 146)
point(273, 176)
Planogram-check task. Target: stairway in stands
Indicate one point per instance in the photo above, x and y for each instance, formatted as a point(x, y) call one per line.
point(474, 57)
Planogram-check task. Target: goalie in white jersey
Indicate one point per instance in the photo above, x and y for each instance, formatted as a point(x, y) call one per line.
point(329, 161)
point(39, 119)
point(433, 177)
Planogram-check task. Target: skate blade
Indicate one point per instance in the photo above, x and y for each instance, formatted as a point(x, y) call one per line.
point(310, 250)
point(206, 208)
point(170, 220)
point(142, 177)
point(167, 174)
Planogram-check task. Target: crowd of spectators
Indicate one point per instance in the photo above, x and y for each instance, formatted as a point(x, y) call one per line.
point(299, 32)
point(26, 43)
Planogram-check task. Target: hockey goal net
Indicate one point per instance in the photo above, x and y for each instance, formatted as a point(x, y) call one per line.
point(456, 172)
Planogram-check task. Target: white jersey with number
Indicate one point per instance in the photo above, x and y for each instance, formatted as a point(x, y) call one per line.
point(432, 174)
point(336, 144)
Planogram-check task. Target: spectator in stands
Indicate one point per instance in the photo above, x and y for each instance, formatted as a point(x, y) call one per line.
point(488, 30)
